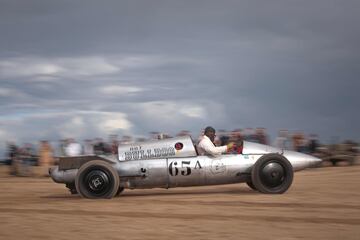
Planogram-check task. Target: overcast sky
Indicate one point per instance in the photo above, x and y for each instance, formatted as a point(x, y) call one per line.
point(90, 68)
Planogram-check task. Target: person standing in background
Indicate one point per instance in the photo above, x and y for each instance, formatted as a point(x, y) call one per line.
point(88, 147)
point(46, 158)
point(73, 148)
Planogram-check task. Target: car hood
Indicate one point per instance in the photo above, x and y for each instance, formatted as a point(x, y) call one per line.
point(257, 148)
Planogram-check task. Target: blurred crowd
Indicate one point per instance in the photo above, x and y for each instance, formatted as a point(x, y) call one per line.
point(46, 154)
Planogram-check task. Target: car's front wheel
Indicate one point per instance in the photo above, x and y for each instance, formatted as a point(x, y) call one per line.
point(97, 179)
point(272, 173)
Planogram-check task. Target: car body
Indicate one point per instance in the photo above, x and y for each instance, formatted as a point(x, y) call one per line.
point(174, 162)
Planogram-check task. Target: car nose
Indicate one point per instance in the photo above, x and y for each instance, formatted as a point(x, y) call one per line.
point(314, 161)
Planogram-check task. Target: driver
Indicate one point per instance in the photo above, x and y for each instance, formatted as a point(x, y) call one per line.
point(206, 144)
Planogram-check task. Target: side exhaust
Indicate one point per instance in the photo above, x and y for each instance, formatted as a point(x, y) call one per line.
point(60, 176)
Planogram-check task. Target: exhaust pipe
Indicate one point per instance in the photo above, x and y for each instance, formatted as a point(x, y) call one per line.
point(60, 176)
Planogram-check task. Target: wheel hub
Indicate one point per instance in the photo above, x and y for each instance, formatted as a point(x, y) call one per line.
point(272, 174)
point(97, 181)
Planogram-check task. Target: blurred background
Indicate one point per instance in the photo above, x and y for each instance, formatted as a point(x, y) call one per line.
point(113, 72)
point(85, 76)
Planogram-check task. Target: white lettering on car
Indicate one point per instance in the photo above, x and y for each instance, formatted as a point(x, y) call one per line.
point(136, 153)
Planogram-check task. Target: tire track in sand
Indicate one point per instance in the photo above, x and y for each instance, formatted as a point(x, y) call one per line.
point(205, 217)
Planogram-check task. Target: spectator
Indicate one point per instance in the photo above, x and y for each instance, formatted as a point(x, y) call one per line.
point(25, 160)
point(12, 154)
point(100, 147)
point(88, 147)
point(283, 141)
point(63, 143)
point(261, 136)
point(249, 135)
point(300, 142)
point(45, 154)
point(73, 148)
point(313, 143)
point(153, 135)
point(114, 144)
point(29, 150)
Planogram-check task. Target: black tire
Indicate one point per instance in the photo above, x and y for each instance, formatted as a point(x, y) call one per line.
point(251, 185)
point(272, 174)
point(97, 179)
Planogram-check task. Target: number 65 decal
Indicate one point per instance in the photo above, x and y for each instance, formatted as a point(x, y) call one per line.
point(174, 169)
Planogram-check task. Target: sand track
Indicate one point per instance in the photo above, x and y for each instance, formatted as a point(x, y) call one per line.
point(322, 203)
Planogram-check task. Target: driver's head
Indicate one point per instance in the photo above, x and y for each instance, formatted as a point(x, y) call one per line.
point(210, 133)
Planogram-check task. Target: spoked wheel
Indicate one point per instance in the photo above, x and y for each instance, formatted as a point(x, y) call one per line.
point(272, 173)
point(97, 179)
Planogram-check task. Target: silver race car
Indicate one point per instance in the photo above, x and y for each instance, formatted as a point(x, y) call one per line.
point(173, 163)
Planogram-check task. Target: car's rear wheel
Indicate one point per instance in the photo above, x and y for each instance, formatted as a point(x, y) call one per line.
point(272, 173)
point(97, 179)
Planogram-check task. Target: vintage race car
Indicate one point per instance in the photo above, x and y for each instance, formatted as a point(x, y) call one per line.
point(173, 163)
